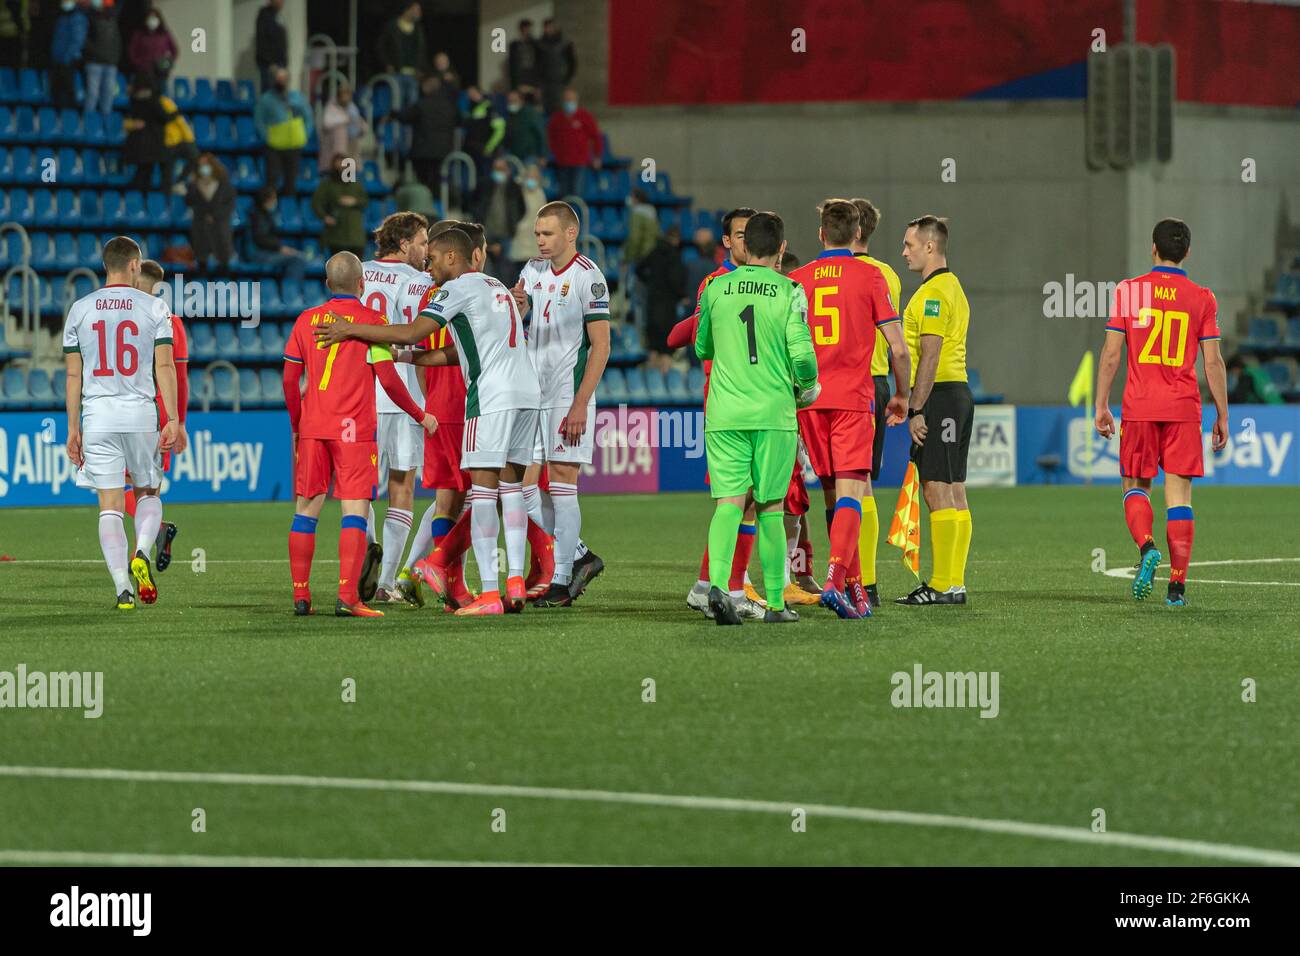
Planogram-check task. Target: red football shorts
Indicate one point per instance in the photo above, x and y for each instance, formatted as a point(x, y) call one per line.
point(354, 466)
point(442, 458)
point(837, 440)
point(1145, 447)
point(796, 496)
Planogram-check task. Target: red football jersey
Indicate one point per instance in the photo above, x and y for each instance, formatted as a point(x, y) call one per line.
point(181, 356)
point(444, 385)
point(340, 396)
point(847, 300)
point(1164, 316)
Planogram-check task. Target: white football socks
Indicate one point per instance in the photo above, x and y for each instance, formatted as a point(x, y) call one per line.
point(568, 526)
point(422, 540)
point(483, 528)
point(514, 515)
point(148, 519)
point(112, 541)
point(397, 529)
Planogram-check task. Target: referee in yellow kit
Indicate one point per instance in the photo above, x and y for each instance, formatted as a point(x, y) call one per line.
point(941, 410)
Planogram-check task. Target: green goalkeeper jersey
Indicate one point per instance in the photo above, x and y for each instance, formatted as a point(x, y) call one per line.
point(753, 325)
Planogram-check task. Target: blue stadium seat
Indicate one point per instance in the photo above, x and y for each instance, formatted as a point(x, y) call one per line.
point(246, 133)
point(31, 87)
point(637, 394)
point(69, 168)
point(69, 126)
point(47, 125)
point(291, 295)
point(11, 247)
point(203, 342)
point(223, 388)
point(250, 389)
point(25, 169)
point(1263, 332)
point(111, 208)
point(311, 224)
point(92, 129)
point(1292, 339)
point(612, 389)
point(225, 95)
point(65, 206)
point(290, 216)
point(204, 134)
point(65, 251)
point(40, 388)
point(114, 131)
point(120, 99)
point(269, 293)
point(90, 212)
point(6, 166)
point(13, 388)
point(246, 175)
point(156, 210)
point(620, 186)
point(371, 179)
point(6, 350)
point(20, 207)
point(42, 250)
point(7, 124)
point(43, 211)
point(89, 253)
point(182, 93)
point(227, 341)
point(1286, 295)
point(224, 129)
point(657, 387)
point(272, 340)
point(245, 96)
point(678, 393)
point(272, 388)
point(250, 344)
point(179, 213)
point(24, 130)
point(309, 178)
point(134, 214)
point(695, 382)
point(59, 382)
point(8, 85)
point(1282, 372)
point(83, 286)
point(205, 98)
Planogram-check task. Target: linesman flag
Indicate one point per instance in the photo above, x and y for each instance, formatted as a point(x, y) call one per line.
point(905, 528)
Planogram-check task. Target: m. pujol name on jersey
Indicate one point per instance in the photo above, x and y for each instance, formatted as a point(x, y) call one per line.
point(75, 908)
point(21, 689)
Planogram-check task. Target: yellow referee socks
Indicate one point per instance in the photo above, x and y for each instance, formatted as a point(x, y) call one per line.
point(868, 535)
point(943, 536)
point(960, 548)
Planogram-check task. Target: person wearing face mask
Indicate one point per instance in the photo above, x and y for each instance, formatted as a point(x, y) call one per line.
point(271, 42)
point(70, 31)
point(575, 143)
point(340, 204)
point(525, 137)
point(499, 206)
point(284, 122)
point(153, 48)
point(264, 244)
point(212, 198)
point(523, 245)
point(100, 54)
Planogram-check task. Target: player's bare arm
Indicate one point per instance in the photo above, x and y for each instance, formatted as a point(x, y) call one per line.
point(522, 300)
point(72, 401)
point(411, 333)
point(1216, 376)
point(931, 345)
point(901, 362)
point(1107, 366)
point(435, 357)
point(173, 434)
point(575, 423)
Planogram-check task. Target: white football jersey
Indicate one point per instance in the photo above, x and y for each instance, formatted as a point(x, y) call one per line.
point(562, 304)
point(116, 330)
point(395, 290)
point(490, 341)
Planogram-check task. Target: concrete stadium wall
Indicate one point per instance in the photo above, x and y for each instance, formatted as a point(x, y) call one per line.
point(231, 26)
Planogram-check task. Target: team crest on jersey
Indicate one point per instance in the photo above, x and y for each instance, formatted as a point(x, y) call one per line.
point(932, 307)
point(598, 290)
point(564, 289)
point(442, 294)
point(374, 459)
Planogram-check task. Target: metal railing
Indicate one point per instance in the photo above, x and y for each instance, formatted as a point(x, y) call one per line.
point(30, 300)
point(395, 87)
point(598, 255)
point(208, 386)
point(584, 213)
point(332, 53)
point(70, 288)
point(456, 158)
point(25, 262)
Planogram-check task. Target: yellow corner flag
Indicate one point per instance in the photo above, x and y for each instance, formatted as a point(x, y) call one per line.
point(905, 528)
point(1081, 385)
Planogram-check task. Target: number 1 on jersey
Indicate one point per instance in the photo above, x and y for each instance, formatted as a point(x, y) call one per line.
point(747, 317)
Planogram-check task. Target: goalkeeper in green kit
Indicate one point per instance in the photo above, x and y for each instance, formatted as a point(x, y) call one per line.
point(753, 326)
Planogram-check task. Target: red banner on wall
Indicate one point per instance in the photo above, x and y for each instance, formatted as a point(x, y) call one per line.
point(782, 51)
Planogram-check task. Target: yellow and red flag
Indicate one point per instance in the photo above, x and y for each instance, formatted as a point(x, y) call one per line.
point(905, 528)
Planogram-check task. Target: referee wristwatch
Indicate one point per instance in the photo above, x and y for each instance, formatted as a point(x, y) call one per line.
point(913, 412)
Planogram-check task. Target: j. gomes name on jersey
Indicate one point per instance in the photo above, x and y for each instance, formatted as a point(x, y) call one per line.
point(751, 287)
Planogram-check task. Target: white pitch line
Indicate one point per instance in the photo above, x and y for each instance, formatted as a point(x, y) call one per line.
point(90, 858)
point(1129, 572)
point(1040, 831)
point(176, 561)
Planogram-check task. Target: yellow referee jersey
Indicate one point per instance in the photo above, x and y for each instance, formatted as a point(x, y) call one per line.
point(939, 307)
point(880, 357)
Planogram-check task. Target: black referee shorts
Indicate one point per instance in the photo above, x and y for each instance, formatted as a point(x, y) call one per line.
point(949, 416)
point(883, 394)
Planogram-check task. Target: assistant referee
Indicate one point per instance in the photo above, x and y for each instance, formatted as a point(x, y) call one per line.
point(941, 410)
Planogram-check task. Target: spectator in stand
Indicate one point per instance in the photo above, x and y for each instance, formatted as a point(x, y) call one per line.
point(272, 42)
point(100, 54)
point(212, 198)
point(444, 71)
point(70, 31)
point(484, 130)
point(178, 140)
point(707, 246)
point(524, 244)
point(559, 64)
point(525, 137)
point(664, 276)
point(402, 48)
point(340, 203)
point(265, 244)
point(498, 206)
point(575, 143)
point(145, 140)
point(433, 120)
point(642, 234)
point(284, 123)
point(153, 48)
point(341, 128)
point(525, 60)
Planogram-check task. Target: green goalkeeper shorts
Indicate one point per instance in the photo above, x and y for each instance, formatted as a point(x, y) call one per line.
point(741, 459)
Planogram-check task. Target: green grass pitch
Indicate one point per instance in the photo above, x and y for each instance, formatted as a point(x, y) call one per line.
point(1104, 703)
